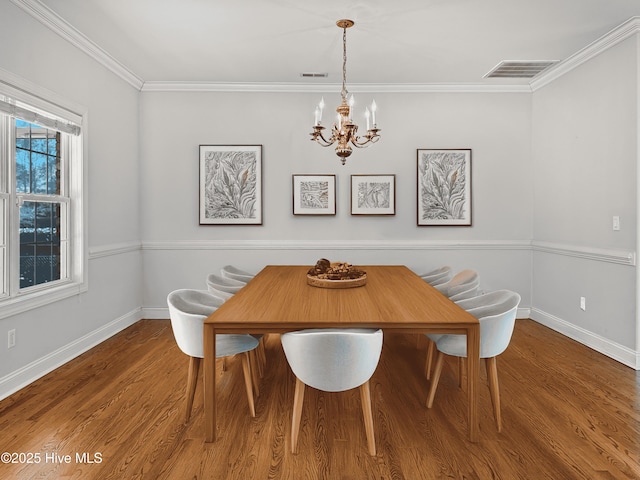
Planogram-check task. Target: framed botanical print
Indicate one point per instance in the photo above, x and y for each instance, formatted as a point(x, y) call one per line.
point(373, 194)
point(314, 194)
point(230, 184)
point(444, 187)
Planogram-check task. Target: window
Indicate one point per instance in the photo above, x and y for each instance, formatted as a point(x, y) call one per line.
point(42, 236)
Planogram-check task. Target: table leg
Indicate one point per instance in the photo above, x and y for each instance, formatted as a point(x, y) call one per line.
point(209, 382)
point(473, 379)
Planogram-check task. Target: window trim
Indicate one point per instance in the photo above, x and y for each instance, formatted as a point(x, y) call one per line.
point(15, 302)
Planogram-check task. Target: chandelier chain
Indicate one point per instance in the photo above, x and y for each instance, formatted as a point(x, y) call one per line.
point(344, 62)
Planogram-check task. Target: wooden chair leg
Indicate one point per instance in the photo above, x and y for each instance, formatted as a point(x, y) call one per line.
point(262, 357)
point(246, 368)
point(298, 398)
point(437, 370)
point(461, 371)
point(430, 350)
point(192, 380)
point(492, 377)
point(254, 371)
point(365, 396)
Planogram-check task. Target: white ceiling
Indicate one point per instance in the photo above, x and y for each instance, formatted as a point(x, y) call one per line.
point(393, 41)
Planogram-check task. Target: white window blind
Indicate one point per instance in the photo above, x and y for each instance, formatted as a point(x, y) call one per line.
point(33, 115)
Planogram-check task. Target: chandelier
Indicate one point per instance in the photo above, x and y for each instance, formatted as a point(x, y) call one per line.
point(344, 130)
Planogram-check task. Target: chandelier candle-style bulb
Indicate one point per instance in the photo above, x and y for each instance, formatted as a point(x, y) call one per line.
point(344, 130)
point(374, 107)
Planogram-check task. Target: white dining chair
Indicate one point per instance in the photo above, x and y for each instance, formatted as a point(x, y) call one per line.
point(188, 309)
point(224, 284)
point(333, 360)
point(437, 276)
point(226, 288)
point(497, 320)
point(229, 271)
point(464, 284)
point(464, 291)
point(459, 279)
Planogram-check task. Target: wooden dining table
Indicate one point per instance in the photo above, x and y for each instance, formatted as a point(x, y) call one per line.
point(278, 299)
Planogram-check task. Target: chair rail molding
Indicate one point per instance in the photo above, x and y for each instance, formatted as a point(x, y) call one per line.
point(338, 245)
point(114, 249)
point(622, 257)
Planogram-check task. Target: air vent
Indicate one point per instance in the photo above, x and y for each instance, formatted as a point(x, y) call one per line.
point(519, 68)
point(314, 75)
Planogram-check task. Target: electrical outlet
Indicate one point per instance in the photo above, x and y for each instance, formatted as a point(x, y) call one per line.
point(616, 223)
point(583, 303)
point(11, 338)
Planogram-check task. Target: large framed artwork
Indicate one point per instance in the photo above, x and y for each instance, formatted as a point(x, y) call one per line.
point(444, 187)
point(314, 194)
point(373, 194)
point(230, 184)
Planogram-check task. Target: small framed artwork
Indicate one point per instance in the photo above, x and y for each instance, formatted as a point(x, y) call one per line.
point(230, 184)
point(373, 194)
point(314, 194)
point(444, 187)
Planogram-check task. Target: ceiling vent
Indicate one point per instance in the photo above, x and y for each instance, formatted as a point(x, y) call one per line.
point(314, 75)
point(519, 68)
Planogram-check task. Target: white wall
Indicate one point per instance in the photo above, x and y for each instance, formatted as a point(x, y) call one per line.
point(47, 336)
point(178, 252)
point(585, 155)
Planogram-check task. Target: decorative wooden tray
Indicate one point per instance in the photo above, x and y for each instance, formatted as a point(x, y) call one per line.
point(346, 283)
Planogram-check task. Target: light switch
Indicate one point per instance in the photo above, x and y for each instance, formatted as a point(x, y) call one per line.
point(616, 223)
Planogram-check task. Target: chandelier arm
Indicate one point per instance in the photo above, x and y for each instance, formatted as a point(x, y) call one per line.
point(320, 140)
point(371, 137)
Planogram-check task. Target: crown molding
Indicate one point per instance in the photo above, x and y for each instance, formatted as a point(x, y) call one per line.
point(58, 25)
point(160, 86)
point(626, 30)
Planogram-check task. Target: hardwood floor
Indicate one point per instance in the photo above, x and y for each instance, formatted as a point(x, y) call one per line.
point(568, 413)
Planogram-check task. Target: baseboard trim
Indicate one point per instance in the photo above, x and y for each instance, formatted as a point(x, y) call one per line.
point(22, 377)
point(620, 353)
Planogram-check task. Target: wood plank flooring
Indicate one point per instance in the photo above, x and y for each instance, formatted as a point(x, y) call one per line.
point(568, 413)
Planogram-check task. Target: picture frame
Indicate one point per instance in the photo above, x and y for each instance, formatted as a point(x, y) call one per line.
point(314, 194)
point(444, 187)
point(230, 190)
point(373, 194)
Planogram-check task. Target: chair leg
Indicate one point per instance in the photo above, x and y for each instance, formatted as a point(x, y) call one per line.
point(365, 396)
point(492, 376)
point(246, 368)
point(255, 361)
point(192, 380)
point(437, 370)
point(430, 350)
point(261, 356)
point(461, 370)
point(298, 398)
